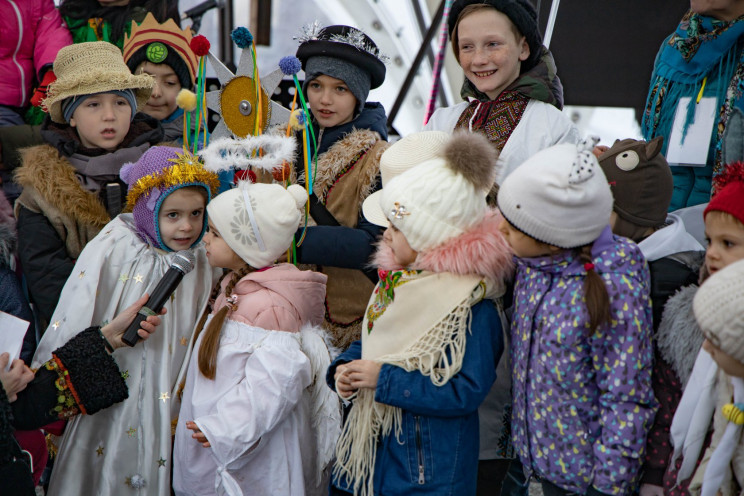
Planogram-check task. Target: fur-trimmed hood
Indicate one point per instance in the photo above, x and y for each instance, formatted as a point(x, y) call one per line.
point(53, 177)
point(482, 251)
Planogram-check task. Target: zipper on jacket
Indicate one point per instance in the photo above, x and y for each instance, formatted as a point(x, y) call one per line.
point(420, 451)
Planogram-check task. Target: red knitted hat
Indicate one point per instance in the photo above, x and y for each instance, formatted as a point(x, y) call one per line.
point(728, 192)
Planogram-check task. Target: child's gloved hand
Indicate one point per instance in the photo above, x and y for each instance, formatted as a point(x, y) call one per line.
point(198, 434)
point(41, 90)
point(363, 373)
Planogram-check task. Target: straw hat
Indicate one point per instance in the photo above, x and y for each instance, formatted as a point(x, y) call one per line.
point(402, 155)
point(89, 68)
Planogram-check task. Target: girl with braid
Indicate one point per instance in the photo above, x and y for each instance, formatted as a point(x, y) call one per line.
point(581, 349)
point(252, 420)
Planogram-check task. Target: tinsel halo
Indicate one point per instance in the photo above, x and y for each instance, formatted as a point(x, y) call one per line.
point(185, 169)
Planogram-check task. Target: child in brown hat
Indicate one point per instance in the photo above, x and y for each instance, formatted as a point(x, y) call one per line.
point(71, 185)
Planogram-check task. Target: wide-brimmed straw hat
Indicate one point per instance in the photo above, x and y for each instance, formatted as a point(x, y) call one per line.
point(90, 68)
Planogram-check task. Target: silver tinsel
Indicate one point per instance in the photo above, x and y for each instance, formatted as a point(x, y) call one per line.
point(354, 37)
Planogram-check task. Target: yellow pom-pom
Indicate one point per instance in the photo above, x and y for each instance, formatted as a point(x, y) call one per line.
point(297, 120)
point(733, 414)
point(186, 100)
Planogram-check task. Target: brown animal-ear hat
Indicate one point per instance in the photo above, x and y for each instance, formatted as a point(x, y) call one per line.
point(640, 180)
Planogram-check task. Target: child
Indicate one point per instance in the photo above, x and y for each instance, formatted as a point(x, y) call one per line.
point(513, 95)
point(164, 52)
point(128, 446)
point(33, 33)
point(247, 424)
point(110, 20)
point(71, 186)
point(679, 338)
point(431, 336)
point(341, 65)
point(716, 387)
point(581, 332)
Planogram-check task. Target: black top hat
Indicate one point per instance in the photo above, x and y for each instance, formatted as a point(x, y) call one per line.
point(346, 43)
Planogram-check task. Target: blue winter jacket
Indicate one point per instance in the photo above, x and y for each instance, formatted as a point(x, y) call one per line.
point(437, 453)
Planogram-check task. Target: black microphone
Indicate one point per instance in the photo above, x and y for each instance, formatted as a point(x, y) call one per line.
point(182, 263)
point(200, 9)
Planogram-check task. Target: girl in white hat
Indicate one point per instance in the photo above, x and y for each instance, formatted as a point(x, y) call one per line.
point(252, 420)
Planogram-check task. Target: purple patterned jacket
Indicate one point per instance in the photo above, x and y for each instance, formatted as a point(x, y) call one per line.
point(583, 404)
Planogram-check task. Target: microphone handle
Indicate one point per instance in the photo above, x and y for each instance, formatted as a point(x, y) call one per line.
point(160, 295)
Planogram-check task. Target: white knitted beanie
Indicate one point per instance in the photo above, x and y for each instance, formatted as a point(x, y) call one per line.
point(258, 221)
point(445, 196)
point(559, 196)
point(402, 155)
point(718, 306)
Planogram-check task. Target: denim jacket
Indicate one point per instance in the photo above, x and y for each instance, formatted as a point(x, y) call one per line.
point(437, 451)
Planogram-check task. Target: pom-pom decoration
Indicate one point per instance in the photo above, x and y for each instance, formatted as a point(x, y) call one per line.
point(281, 173)
point(290, 65)
point(186, 100)
point(242, 37)
point(732, 173)
point(245, 175)
point(297, 120)
point(200, 45)
point(734, 413)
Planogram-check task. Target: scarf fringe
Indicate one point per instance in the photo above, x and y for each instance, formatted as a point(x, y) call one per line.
point(438, 354)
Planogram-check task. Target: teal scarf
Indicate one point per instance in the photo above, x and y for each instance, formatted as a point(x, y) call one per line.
point(700, 48)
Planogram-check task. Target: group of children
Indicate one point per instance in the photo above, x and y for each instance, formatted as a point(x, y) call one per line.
point(486, 296)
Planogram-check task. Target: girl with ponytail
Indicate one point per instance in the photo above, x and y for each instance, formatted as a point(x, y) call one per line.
point(249, 404)
point(581, 331)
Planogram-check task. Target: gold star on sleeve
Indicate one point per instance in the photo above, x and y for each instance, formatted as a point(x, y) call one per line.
point(164, 396)
point(131, 432)
point(99, 450)
point(139, 278)
point(161, 462)
point(124, 277)
point(184, 341)
point(56, 325)
point(81, 275)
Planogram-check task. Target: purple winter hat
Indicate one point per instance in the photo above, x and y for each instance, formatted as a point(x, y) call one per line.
point(160, 171)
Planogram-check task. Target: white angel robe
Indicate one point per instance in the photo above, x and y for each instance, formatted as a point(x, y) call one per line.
point(270, 434)
point(126, 449)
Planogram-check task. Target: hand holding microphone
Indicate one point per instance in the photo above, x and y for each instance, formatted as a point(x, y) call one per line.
point(182, 263)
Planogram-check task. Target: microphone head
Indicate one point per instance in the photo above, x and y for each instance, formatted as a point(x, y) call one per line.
point(183, 260)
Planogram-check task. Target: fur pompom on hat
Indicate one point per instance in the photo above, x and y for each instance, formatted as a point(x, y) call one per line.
point(559, 196)
point(258, 221)
point(717, 306)
point(160, 171)
point(728, 192)
point(443, 197)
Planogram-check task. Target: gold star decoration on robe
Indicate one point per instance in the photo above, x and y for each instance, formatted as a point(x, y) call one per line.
point(164, 396)
point(128, 481)
point(81, 275)
point(184, 341)
point(99, 450)
point(139, 278)
point(161, 462)
point(132, 431)
point(124, 277)
point(56, 325)
point(125, 375)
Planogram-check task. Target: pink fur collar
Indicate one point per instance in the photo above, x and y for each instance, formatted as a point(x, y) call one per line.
point(481, 250)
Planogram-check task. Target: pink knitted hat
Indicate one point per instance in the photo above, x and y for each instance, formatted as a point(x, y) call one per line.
point(160, 171)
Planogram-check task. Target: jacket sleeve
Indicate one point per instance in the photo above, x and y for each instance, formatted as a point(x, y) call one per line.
point(668, 392)
point(339, 246)
point(51, 35)
point(463, 393)
point(81, 377)
point(354, 352)
point(45, 261)
point(622, 355)
point(13, 302)
point(276, 375)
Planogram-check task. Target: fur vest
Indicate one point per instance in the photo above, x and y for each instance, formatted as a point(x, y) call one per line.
point(51, 188)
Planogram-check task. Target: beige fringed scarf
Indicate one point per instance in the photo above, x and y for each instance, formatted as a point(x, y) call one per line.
point(426, 331)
